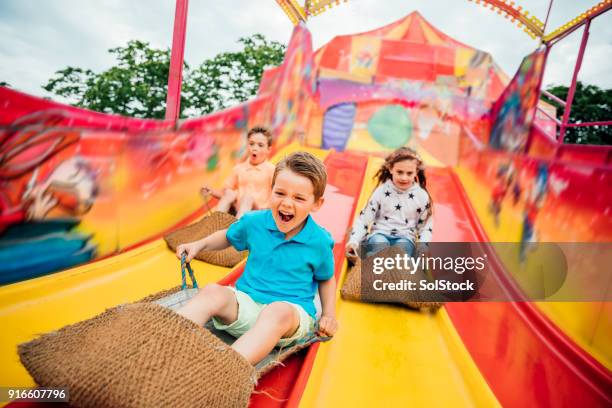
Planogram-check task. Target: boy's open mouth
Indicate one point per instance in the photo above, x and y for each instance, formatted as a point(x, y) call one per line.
point(285, 217)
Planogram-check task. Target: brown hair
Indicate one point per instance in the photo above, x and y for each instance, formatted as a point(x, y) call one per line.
point(404, 153)
point(263, 130)
point(307, 165)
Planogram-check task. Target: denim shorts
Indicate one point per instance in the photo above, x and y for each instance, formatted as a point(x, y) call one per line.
point(378, 241)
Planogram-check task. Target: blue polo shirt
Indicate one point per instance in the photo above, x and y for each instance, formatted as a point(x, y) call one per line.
point(279, 269)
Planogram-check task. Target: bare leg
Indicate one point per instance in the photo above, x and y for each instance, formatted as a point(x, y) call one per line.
point(212, 300)
point(245, 205)
point(226, 201)
point(277, 320)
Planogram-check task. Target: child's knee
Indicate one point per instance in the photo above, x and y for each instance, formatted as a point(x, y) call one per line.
point(378, 239)
point(279, 314)
point(214, 293)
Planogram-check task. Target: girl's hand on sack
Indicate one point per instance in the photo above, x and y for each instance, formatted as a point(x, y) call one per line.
point(351, 252)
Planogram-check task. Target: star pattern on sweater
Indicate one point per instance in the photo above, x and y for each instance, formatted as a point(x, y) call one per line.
point(387, 193)
point(398, 207)
point(411, 195)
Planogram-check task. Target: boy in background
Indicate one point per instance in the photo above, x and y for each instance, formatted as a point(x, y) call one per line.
point(248, 187)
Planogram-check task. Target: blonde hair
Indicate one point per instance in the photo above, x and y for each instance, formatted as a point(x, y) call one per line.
point(307, 165)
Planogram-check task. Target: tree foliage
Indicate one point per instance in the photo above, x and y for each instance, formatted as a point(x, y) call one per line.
point(591, 104)
point(232, 77)
point(137, 84)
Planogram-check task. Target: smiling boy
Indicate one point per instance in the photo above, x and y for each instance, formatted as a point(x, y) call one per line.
point(290, 258)
point(248, 187)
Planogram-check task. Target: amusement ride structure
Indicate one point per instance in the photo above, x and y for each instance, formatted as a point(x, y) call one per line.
point(86, 197)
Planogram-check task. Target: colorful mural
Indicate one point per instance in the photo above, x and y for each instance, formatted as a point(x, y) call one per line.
point(531, 200)
point(75, 188)
point(70, 195)
point(435, 83)
point(513, 113)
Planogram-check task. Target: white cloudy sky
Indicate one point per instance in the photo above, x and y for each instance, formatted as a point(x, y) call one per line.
point(39, 37)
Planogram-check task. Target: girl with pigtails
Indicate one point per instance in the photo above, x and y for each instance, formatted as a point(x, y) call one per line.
point(399, 212)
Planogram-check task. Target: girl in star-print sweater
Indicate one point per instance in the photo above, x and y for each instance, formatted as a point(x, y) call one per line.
point(399, 211)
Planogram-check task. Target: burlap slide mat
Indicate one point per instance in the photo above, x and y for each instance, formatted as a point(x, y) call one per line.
point(175, 298)
point(143, 354)
point(140, 355)
point(211, 223)
point(358, 284)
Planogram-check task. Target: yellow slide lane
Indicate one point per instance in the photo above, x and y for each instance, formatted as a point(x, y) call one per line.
point(33, 307)
point(390, 356)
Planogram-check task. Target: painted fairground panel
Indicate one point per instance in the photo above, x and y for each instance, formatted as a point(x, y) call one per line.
point(513, 113)
point(544, 115)
point(71, 195)
point(539, 199)
point(541, 145)
point(75, 194)
point(293, 86)
point(527, 200)
point(49, 184)
point(404, 84)
point(419, 114)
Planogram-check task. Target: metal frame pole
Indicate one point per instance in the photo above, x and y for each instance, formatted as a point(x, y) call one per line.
point(572, 90)
point(175, 76)
point(546, 21)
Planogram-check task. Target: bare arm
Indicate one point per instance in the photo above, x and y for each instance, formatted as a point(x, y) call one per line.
point(214, 242)
point(215, 192)
point(328, 324)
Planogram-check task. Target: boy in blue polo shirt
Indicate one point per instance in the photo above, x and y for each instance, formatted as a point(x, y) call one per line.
point(290, 256)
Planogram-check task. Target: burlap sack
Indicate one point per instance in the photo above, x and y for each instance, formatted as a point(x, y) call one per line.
point(140, 355)
point(211, 223)
point(359, 283)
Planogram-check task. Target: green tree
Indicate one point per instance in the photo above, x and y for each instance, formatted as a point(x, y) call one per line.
point(591, 104)
point(4, 83)
point(231, 77)
point(137, 85)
